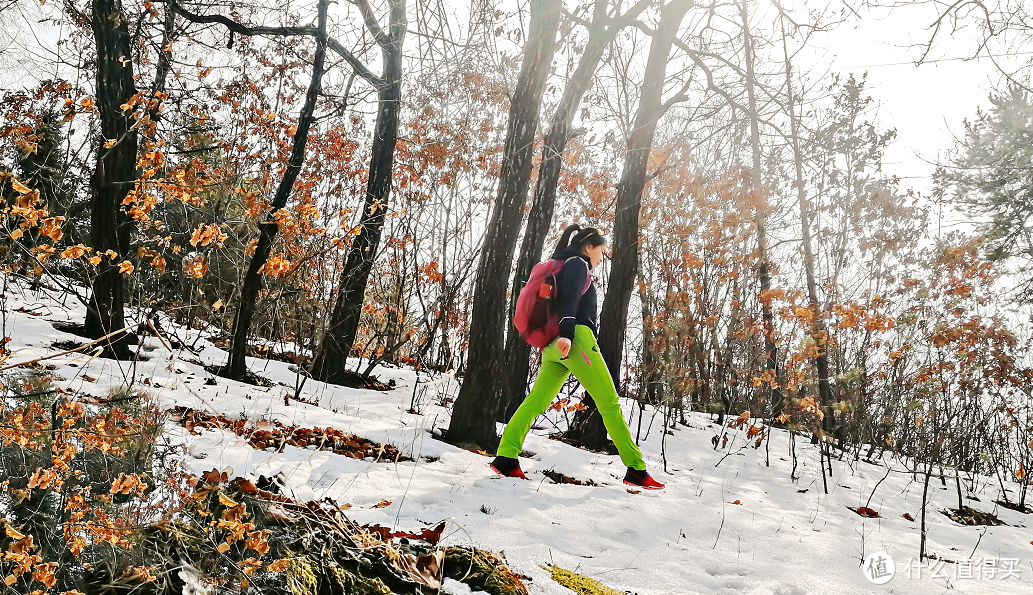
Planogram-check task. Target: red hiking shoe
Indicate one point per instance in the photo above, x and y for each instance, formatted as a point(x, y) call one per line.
point(641, 479)
point(507, 467)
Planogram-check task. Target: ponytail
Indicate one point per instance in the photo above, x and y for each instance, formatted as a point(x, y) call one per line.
point(576, 236)
point(587, 236)
point(565, 238)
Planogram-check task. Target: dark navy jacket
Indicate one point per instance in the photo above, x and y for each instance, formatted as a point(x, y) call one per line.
point(572, 307)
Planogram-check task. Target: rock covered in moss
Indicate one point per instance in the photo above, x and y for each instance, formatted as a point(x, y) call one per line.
point(483, 571)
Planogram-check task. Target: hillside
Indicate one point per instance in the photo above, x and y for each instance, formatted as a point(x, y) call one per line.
point(727, 522)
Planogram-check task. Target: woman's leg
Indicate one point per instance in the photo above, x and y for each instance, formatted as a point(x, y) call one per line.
point(588, 367)
point(550, 380)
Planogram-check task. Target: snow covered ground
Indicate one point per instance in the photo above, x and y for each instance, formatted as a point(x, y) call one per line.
point(725, 524)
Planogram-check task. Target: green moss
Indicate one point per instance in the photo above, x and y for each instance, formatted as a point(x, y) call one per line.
point(341, 581)
point(305, 576)
point(482, 571)
point(301, 577)
point(579, 583)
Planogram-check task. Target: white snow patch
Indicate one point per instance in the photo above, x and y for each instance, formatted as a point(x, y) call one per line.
point(784, 538)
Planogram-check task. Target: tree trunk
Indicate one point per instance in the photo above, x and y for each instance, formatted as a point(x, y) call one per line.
point(763, 273)
point(543, 205)
point(253, 279)
point(925, 501)
point(652, 375)
point(164, 62)
point(110, 225)
point(479, 401)
point(587, 428)
point(329, 364)
point(818, 331)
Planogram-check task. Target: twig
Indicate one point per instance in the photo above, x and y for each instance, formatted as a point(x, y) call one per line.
point(974, 548)
point(80, 348)
point(722, 526)
point(150, 324)
point(872, 495)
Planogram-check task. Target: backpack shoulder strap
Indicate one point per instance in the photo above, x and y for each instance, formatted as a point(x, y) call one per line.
point(588, 278)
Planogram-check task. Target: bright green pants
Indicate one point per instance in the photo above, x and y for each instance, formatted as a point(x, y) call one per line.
point(587, 365)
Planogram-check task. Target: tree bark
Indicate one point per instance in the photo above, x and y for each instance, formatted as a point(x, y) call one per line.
point(113, 178)
point(818, 330)
point(253, 279)
point(587, 428)
point(543, 205)
point(329, 364)
point(164, 63)
point(652, 365)
point(479, 400)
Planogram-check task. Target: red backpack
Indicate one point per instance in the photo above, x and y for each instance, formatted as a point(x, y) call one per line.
point(535, 318)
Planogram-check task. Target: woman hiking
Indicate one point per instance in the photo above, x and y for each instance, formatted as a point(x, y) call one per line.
point(574, 351)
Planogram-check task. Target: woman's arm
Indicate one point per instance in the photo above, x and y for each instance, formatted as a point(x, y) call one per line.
point(572, 280)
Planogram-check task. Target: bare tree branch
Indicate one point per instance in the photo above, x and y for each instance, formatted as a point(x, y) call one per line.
point(242, 29)
point(371, 22)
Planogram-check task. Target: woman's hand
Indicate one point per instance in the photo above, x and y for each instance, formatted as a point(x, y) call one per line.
point(564, 346)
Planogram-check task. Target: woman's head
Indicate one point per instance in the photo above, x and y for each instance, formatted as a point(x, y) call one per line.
point(587, 240)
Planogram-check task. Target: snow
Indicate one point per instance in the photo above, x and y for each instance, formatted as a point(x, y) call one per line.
point(783, 538)
point(453, 587)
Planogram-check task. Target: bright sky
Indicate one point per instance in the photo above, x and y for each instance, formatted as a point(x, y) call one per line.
point(927, 103)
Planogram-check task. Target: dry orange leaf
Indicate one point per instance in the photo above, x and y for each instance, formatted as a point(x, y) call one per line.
point(139, 574)
point(19, 187)
point(75, 251)
point(195, 266)
point(226, 500)
point(207, 235)
point(866, 512)
point(234, 514)
point(45, 573)
point(258, 541)
point(278, 565)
